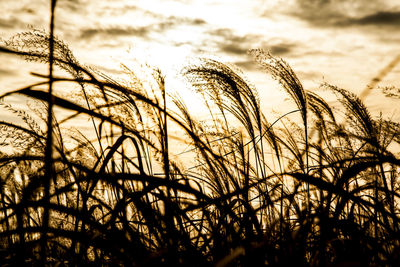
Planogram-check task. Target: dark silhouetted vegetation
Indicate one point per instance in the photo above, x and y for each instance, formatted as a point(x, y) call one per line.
point(317, 187)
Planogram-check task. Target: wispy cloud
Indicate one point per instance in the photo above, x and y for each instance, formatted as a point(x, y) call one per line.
point(280, 49)
point(227, 41)
point(276, 48)
point(379, 18)
point(139, 31)
point(9, 23)
point(89, 33)
point(72, 6)
point(6, 72)
point(347, 12)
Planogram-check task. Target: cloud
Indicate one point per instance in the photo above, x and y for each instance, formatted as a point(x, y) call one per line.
point(281, 49)
point(379, 18)
point(7, 72)
point(232, 48)
point(10, 23)
point(120, 8)
point(230, 43)
point(89, 33)
point(185, 20)
point(72, 5)
point(346, 12)
point(139, 31)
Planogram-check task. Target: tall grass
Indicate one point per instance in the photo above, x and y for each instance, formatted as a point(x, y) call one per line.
point(320, 189)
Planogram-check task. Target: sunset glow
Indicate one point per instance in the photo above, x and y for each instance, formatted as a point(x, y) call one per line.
point(199, 133)
point(346, 43)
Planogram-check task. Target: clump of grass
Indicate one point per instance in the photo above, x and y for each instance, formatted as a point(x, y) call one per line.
point(320, 192)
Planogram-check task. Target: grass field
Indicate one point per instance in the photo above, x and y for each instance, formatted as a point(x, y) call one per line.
point(317, 187)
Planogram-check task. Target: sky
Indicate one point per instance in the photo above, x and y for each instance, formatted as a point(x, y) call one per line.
point(346, 43)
